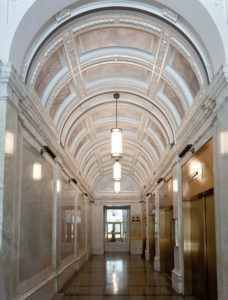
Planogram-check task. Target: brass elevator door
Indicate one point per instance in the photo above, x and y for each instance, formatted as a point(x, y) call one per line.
point(203, 252)
point(211, 248)
point(166, 243)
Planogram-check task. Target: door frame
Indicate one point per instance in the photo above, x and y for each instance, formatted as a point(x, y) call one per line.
point(128, 208)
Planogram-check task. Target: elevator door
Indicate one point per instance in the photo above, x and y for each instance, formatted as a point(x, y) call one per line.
point(166, 243)
point(152, 236)
point(204, 279)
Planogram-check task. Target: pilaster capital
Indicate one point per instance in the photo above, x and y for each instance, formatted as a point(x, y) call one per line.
point(12, 82)
point(219, 83)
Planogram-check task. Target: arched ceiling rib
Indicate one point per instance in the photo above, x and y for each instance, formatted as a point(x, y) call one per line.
point(157, 72)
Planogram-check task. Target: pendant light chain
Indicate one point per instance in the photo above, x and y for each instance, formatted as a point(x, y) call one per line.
point(116, 96)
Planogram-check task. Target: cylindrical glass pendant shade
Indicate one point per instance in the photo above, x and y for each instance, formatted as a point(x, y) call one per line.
point(116, 143)
point(116, 171)
point(117, 186)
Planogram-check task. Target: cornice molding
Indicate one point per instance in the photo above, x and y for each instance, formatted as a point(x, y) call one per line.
point(201, 119)
point(34, 117)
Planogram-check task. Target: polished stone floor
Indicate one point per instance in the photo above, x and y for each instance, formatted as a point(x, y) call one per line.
point(117, 277)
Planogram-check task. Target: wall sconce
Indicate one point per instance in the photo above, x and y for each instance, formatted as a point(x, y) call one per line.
point(48, 150)
point(196, 169)
point(160, 180)
point(224, 142)
point(58, 185)
point(9, 143)
point(175, 185)
point(73, 180)
point(37, 171)
point(186, 149)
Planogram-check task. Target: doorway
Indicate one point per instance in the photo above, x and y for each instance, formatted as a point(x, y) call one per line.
point(116, 229)
point(200, 274)
point(166, 240)
point(203, 249)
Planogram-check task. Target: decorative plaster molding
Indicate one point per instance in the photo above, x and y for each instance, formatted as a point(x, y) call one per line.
point(53, 47)
point(219, 3)
point(170, 14)
point(146, 25)
point(62, 14)
point(115, 59)
point(93, 23)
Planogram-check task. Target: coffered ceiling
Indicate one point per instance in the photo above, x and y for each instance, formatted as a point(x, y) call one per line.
point(157, 71)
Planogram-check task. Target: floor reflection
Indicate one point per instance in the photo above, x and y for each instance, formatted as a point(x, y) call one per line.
point(119, 276)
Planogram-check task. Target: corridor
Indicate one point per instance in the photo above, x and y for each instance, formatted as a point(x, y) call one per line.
point(113, 139)
point(118, 276)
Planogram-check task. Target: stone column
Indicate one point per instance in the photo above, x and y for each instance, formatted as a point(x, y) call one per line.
point(86, 225)
point(9, 180)
point(75, 222)
point(54, 223)
point(220, 152)
point(147, 251)
point(157, 237)
point(178, 271)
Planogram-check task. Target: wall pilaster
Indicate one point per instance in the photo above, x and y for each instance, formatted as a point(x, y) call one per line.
point(157, 233)
point(178, 271)
point(220, 151)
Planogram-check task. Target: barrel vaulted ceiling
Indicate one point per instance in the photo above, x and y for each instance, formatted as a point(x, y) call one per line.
point(157, 71)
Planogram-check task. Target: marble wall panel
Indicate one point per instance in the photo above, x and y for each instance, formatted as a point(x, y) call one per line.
point(67, 221)
point(9, 209)
point(81, 226)
point(89, 233)
point(36, 215)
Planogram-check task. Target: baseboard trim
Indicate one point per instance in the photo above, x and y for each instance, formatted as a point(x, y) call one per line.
point(55, 280)
point(177, 282)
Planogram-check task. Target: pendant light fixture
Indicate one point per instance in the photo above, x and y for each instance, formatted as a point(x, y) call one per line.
point(117, 186)
point(116, 171)
point(116, 137)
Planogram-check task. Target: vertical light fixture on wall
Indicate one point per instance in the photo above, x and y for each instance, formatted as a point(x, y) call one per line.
point(37, 171)
point(224, 142)
point(9, 143)
point(175, 185)
point(116, 137)
point(58, 186)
